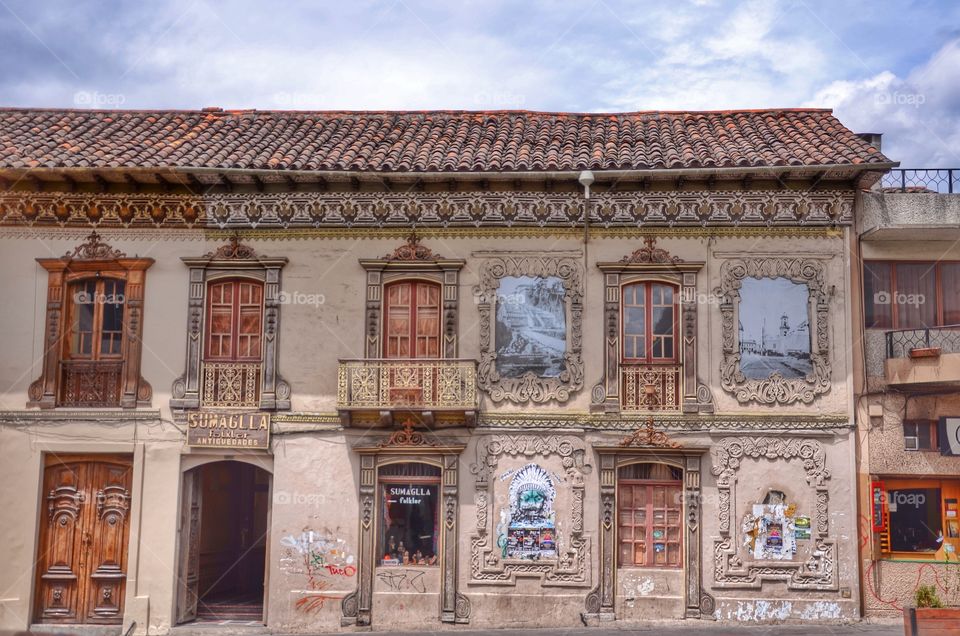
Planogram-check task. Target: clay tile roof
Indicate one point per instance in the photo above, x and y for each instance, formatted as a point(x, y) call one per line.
point(440, 141)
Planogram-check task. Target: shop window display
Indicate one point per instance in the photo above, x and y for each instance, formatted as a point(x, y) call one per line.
point(409, 514)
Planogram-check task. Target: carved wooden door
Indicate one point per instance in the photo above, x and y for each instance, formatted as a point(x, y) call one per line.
point(82, 560)
point(188, 570)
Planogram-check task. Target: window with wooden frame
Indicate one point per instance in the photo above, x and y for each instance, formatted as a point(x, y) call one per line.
point(910, 294)
point(412, 319)
point(94, 323)
point(650, 323)
point(233, 344)
point(649, 515)
point(920, 435)
point(234, 320)
point(409, 514)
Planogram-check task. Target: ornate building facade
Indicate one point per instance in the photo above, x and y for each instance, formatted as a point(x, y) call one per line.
point(321, 371)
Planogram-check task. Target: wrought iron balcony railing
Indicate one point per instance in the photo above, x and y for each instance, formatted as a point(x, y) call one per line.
point(901, 342)
point(90, 383)
point(379, 383)
point(940, 180)
point(650, 387)
point(231, 384)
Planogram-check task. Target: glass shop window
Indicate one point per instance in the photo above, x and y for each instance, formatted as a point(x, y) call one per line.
point(649, 513)
point(409, 514)
point(915, 519)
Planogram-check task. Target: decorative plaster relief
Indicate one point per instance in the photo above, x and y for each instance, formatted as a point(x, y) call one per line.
point(775, 388)
point(570, 565)
point(819, 571)
point(538, 280)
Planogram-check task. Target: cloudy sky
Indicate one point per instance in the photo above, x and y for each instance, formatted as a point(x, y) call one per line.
point(890, 66)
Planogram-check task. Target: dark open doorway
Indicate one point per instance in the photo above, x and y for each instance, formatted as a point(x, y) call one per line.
point(225, 556)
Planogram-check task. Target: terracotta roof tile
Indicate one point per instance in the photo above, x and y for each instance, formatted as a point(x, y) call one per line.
point(441, 141)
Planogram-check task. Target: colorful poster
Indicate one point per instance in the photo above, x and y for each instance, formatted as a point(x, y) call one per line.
point(531, 532)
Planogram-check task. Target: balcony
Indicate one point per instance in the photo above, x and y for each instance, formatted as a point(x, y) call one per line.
point(89, 383)
point(230, 385)
point(431, 389)
point(912, 205)
point(923, 358)
point(651, 388)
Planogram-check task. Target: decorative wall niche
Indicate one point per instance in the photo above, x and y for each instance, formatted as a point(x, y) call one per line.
point(791, 294)
point(731, 569)
point(88, 382)
point(493, 561)
point(233, 260)
point(531, 313)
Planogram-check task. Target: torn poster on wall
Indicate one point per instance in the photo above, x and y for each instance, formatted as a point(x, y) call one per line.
point(769, 532)
point(531, 532)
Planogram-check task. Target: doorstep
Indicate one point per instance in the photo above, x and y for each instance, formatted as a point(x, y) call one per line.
point(76, 630)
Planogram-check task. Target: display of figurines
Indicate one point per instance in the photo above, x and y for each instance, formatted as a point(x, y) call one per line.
point(406, 557)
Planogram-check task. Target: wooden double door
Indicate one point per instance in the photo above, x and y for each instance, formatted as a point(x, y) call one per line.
point(84, 527)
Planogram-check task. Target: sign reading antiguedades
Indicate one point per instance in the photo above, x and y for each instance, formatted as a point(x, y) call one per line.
point(218, 429)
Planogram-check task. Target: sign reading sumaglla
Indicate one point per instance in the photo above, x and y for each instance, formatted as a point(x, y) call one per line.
point(219, 429)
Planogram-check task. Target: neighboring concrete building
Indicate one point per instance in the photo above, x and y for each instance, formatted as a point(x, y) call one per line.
point(907, 375)
point(254, 394)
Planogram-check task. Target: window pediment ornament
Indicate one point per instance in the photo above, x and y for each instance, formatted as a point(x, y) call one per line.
point(650, 254)
point(412, 250)
point(93, 249)
point(647, 436)
point(234, 249)
point(407, 437)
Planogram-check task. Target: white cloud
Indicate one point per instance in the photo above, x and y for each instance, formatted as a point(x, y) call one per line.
point(917, 114)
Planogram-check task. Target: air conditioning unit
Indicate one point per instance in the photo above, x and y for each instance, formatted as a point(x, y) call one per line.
point(911, 442)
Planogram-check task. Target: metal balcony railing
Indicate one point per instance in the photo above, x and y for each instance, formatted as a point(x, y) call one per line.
point(231, 384)
point(939, 180)
point(900, 342)
point(650, 387)
point(379, 383)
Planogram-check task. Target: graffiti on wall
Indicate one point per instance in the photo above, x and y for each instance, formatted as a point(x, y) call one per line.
point(403, 580)
point(322, 559)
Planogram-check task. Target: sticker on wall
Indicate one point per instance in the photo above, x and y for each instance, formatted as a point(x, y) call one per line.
point(769, 532)
point(801, 528)
point(530, 532)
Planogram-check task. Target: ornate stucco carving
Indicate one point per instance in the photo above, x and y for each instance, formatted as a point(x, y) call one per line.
point(94, 249)
point(571, 567)
point(775, 389)
point(530, 387)
point(694, 208)
point(819, 571)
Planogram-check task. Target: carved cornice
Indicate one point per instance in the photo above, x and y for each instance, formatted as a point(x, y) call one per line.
point(94, 250)
point(678, 422)
point(702, 208)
